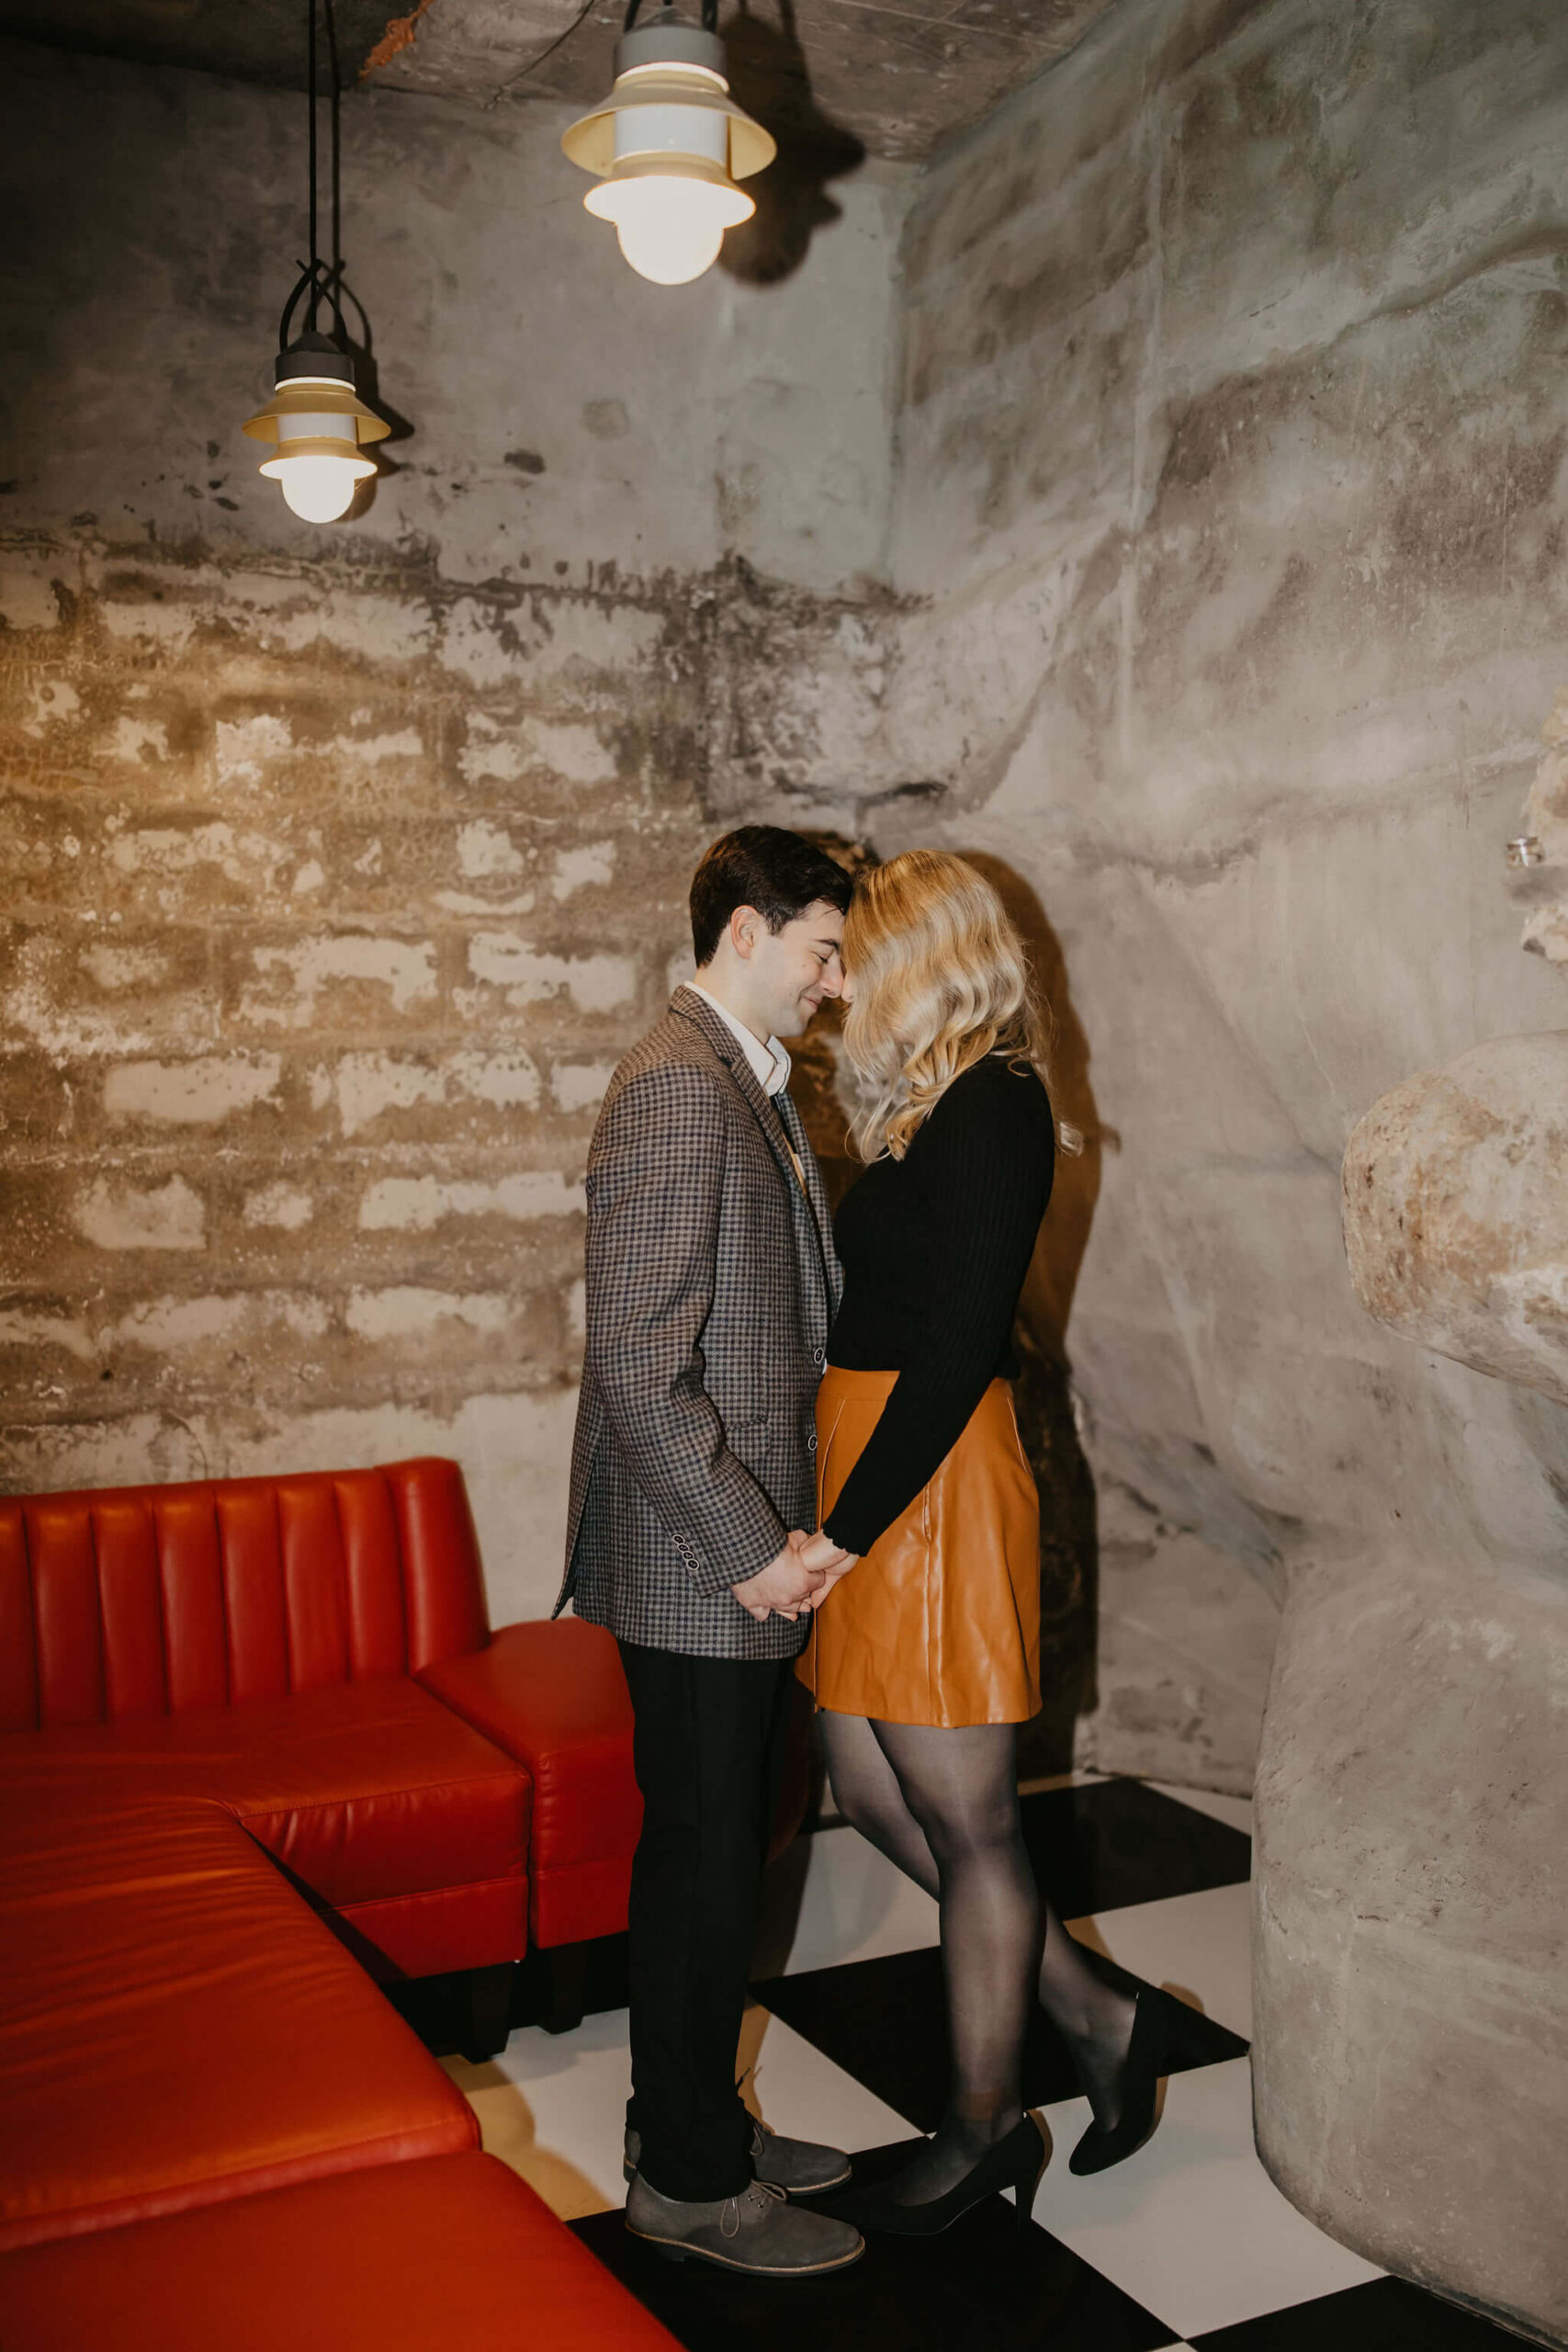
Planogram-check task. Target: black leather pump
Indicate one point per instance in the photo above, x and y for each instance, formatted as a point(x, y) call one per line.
point(1162, 2032)
point(1015, 2163)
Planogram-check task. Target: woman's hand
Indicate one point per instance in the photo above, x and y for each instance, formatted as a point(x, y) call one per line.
point(784, 1587)
point(821, 1553)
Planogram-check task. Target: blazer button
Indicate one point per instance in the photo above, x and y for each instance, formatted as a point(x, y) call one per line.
point(819, 1355)
point(811, 1442)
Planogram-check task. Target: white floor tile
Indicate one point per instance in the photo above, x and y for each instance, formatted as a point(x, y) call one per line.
point(1235, 1812)
point(553, 2106)
point(1197, 1945)
point(792, 2086)
point(1192, 2226)
point(834, 1898)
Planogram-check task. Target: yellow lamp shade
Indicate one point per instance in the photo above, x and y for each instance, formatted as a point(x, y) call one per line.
point(318, 425)
point(668, 146)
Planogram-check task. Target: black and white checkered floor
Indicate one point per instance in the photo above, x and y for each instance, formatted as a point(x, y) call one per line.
point(1189, 2242)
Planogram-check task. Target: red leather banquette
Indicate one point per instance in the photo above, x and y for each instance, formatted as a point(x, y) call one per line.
point(254, 1732)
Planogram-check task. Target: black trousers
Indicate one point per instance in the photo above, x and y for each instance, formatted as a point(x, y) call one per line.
point(708, 1750)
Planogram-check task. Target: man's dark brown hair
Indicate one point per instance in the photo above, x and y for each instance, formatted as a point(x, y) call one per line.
point(781, 874)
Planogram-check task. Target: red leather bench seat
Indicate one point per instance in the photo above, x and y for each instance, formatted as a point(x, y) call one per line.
point(254, 1640)
point(455, 2254)
point(177, 2027)
point(555, 1696)
point(381, 1800)
point(213, 2129)
point(118, 1602)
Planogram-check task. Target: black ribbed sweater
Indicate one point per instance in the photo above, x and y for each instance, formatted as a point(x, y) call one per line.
point(934, 1248)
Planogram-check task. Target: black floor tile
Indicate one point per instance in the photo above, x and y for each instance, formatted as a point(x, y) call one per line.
point(986, 2285)
point(1116, 1842)
point(1093, 1848)
point(884, 2022)
point(1380, 2315)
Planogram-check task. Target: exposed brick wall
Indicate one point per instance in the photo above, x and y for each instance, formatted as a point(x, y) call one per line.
point(336, 891)
point(333, 897)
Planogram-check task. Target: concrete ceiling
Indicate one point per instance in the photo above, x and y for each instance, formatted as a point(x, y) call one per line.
point(893, 79)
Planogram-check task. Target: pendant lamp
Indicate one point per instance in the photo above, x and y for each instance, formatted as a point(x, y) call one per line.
point(668, 146)
point(315, 417)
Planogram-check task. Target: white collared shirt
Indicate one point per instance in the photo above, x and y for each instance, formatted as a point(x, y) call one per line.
point(770, 1062)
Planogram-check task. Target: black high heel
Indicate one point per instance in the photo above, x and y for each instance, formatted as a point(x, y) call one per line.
point(1162, 2030)
point(1015, 2163)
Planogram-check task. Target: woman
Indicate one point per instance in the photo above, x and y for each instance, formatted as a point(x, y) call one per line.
point(925, 1648)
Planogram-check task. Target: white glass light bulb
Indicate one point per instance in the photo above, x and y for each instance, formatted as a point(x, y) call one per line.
point(318, 489)
point(668, 256)
point(670, 229)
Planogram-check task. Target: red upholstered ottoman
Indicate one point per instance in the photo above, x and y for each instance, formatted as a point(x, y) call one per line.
point(553, 1696)
point(450, 2254)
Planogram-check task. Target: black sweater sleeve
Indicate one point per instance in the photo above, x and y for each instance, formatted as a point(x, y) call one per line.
point(985, 1178)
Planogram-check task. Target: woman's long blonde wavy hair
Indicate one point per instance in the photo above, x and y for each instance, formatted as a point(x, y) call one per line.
point(940, 981)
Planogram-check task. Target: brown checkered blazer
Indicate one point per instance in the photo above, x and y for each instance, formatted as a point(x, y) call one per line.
point(712, 1285)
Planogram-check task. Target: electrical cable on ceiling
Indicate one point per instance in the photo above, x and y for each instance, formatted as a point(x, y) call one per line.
point(534, 63)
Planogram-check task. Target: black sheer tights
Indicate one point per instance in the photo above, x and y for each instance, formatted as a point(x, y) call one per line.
point(943, 1806)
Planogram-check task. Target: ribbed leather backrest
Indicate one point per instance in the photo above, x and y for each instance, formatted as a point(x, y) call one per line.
point(144, 1600)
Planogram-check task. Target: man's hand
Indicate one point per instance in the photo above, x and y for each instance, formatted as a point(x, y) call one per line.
point(820, 1551)
point(786, 1584)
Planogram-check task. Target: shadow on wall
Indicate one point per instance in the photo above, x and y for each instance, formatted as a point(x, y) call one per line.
point(819, 1057)
point(769, 77)
point(1068, 1545)
point(1069, 1556)
point(358, 340)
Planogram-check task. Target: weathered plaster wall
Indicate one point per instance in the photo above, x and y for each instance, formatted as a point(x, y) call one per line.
point(1233, 452)
point(343, 863)
point(1231, 446)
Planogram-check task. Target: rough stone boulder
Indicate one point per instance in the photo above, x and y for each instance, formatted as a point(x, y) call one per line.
point(1410, 2049)
point(1411, 2016)
point(1456, 1210)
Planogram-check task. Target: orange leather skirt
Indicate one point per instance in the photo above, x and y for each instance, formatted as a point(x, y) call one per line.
point(940, 1621)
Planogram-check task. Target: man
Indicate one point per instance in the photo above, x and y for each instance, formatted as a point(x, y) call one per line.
point(711, 1287)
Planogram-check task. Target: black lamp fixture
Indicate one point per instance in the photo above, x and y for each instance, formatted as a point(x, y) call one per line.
point(315, 417)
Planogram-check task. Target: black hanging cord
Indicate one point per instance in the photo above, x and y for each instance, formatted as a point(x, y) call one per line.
point(329, 23)
point(311, 82)
point(710, 15)
point(316, 281)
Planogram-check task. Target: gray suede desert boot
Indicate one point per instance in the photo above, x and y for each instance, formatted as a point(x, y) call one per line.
point(760, 2232)
point(799, 2168)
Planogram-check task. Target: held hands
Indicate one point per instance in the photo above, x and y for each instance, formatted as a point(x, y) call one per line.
point(802, 1577)
point(786, 1584)
point(819, 1553)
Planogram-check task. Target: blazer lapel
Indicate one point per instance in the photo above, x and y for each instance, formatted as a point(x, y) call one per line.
point(770, 1116)
point(816, 1192)
point(729, 1049)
